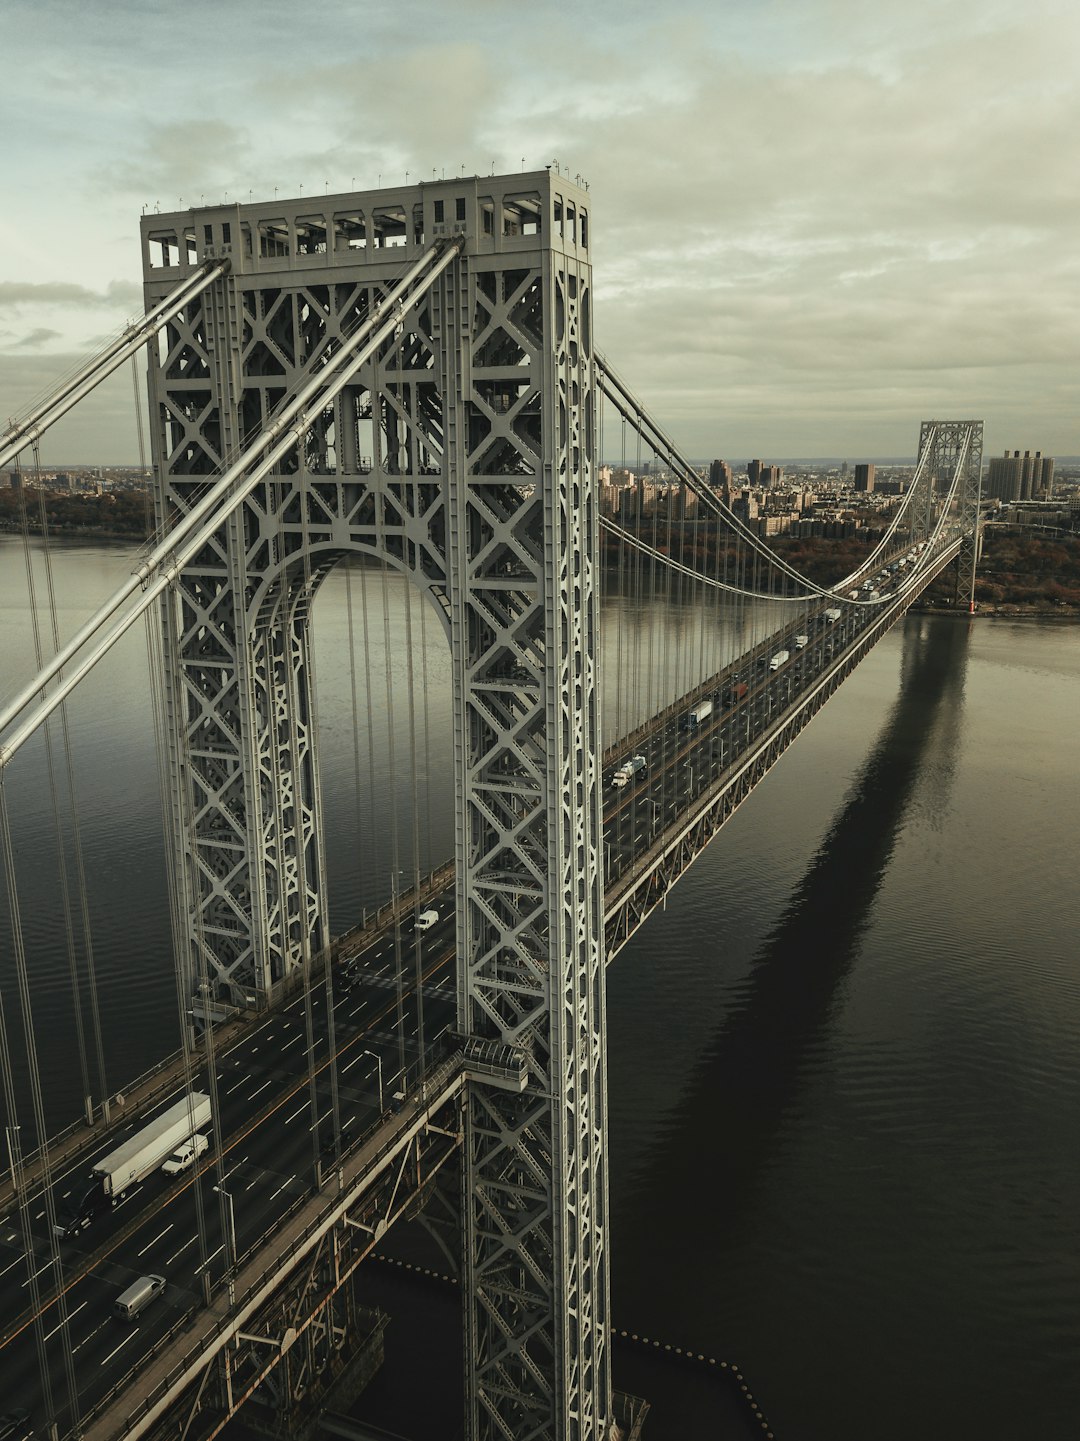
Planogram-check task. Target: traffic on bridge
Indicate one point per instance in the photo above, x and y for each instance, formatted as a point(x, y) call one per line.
point(378, 384)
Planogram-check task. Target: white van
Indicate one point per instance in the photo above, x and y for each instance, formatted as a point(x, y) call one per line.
point(139, 1294)
point(426, 919)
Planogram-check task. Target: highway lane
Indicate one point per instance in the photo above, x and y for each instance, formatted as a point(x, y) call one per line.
point(681, 763)
point(269, 1161)
point(270, 1155)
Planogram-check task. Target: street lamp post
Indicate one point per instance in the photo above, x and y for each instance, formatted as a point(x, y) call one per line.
point(378, 1061)
point(232, 1242)
point(12, 1143)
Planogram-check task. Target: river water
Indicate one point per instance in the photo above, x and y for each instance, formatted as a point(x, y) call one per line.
point(843, 1079)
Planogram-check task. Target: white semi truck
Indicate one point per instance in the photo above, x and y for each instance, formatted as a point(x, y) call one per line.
point(132, 1161)
point(144, 1152)
point(780, 658)
point(693, 718)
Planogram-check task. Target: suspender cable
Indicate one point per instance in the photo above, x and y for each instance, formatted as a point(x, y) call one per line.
point(61, 854)
point(395, 840)
point(168, 559)
point(306, 601)
point(38, 1108)
point(367, 686)
point(19, 951)
point(418, 963)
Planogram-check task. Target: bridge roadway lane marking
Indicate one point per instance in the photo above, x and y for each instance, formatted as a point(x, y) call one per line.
point(108, 1249)
point(71, 1317)
point(169, 1260)
point(131, 1335)
point(156, 1239)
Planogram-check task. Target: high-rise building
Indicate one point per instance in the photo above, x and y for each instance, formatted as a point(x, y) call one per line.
point(1020, 477)
point(864, 477)
point(753, 471)
point(1016, 477)
point(719, 474)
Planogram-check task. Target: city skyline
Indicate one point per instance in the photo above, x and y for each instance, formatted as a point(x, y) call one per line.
point(814, 225)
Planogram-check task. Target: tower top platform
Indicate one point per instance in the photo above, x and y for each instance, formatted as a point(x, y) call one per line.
point(497, 214)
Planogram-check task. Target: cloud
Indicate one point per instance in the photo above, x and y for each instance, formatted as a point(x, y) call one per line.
point(15, 293)
point(35, 339)
point(796, 205)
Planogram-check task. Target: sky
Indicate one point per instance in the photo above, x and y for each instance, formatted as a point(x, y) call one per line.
point(815, 223)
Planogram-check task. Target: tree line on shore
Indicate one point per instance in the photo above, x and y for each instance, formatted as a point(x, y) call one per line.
point(1018, 568)
point(120, 513)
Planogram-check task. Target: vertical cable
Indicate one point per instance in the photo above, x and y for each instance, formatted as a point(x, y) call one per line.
point(355, 703)
point(37, 1105)
point(417, 948)
point(303, 479)
point(61, 856)
point(188, 968)
point(395, 840)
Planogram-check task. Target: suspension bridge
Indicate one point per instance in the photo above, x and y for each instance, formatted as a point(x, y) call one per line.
point(407, 379)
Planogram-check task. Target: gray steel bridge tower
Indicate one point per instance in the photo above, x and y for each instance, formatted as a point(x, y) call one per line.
point(948, 446)
point(462, 453)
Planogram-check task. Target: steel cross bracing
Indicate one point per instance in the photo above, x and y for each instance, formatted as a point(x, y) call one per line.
point(955, 447)
point(461, 451)
point(462, 454)
point(295, 1289)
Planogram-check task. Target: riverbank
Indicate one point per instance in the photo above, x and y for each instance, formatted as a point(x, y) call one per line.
point(1002, 611)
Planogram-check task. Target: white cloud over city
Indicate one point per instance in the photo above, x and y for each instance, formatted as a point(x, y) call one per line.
point(815, 223)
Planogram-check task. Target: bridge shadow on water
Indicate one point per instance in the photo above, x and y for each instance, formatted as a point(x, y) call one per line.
point(713, 1150)
point(738, 1097)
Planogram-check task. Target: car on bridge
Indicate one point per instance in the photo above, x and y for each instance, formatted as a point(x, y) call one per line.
point(186, 1155)
point(138, 1296)
point(426, 919)
point(77, 1212)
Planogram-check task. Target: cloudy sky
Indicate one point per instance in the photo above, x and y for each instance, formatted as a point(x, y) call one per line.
point(815, 222)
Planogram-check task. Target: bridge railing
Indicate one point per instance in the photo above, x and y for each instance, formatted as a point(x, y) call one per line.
point(142, 1091)
point(425, 1081)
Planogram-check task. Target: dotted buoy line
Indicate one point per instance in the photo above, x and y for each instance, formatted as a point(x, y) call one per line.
point(730, 1369)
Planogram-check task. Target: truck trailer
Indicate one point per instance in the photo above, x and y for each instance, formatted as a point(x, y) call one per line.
point(132, 1161)
point(142, 1153)
point(780, 658)
point(693, 718)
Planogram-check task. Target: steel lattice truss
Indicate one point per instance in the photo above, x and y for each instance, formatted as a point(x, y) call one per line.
point(955, 447)
point(462, 454)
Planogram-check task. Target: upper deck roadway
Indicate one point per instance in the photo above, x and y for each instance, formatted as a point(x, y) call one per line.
point(266, 1125)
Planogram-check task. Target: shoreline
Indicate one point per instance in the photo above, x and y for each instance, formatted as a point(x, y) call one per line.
point(998, 610)
point(985, 610)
